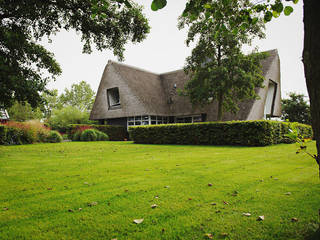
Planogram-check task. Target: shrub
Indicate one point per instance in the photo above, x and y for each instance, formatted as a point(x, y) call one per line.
point(114, 132)
point(21, 133)
point(88, 135)
point(76, 136)
point(246, 133)
point(13, 136)
point(3, 134)
point(43, 135)
point(54, 137)
point(101, 136)
point(61, 118)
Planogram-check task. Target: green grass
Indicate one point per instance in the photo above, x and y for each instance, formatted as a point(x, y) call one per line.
point(39, 183)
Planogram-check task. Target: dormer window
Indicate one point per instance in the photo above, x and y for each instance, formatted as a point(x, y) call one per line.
point(113, 98)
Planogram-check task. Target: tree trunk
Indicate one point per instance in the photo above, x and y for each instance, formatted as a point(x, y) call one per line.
point(220, 107)
point(311, 61)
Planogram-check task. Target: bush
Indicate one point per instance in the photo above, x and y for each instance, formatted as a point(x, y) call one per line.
point(246, 133)
point(88, 135)
point(61, 118)
point(3, 134)
point(101, 136)
point(13, 136)
point(76, 136)
point(21, 133)
point(114, 132)
point(54, 137)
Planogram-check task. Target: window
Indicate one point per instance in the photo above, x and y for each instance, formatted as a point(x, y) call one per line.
point(189, 119)
point(270, 99)
point(113, 98)
point(146, 120)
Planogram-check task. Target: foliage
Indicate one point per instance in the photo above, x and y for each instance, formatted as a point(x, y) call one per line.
point(76, 136)
point(296, 109)
point(245, 133)
point(23, 111)
point(125, 179)
point(270, 9)
point(114, 132)
point(296, 136)
point(23, 133)
point(218, 69)
point(3, 134)
point(101, 136)
point(26, 67)
point(61, 118)
point(80, 96)
point(51, 101)
point(88, 135)
point(54, 137)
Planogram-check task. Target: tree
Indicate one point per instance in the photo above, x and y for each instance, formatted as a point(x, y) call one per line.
point(61, 118)
point(217, 67)
point(23, 111)
point(51, 101)
point(311, 51)
point(296, 109)
point(80, 96)
point(26, 67)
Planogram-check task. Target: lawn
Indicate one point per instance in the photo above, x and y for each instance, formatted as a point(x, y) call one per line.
point(95, 190)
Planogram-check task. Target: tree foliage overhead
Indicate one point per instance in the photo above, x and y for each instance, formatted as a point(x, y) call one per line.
point(217, 67)
point(296, 109)
point(26, 67)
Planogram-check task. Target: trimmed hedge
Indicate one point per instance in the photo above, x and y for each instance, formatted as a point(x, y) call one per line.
point(114, 132)
point(3, 134)
point(245, 133)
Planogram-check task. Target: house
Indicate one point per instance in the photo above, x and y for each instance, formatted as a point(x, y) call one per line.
point(4, 116)
point(131, 96)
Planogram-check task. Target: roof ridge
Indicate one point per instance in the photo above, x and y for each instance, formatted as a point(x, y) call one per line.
point(132, 67)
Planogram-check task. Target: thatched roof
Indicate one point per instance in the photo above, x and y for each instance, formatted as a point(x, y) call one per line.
point(146, 93)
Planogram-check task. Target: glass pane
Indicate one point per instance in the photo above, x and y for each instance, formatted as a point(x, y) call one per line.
point(145, 123)
point(138, 123)
point(188, 119)
point(130, 118)
point(137, 118)
point(179, 120)
point(153, 122)
point(197, 119)
point(145, 117)
point(130, 123)
point(159, 118)
point(153, 118)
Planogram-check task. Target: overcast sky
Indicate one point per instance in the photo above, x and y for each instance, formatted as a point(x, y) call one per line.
point(165, 50)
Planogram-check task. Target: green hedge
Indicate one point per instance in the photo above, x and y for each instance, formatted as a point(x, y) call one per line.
point(114, 132)
point(3, 134)
point(246, 133)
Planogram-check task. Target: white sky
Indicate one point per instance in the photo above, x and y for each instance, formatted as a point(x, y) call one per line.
point(165, 50)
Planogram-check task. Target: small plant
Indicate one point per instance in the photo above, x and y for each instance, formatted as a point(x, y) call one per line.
point(54, 137)
point(294, 134)
point(88, 135)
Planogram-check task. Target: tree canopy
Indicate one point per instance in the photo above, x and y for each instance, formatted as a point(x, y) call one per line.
point(217, 67)
point(296, 109)
point(80, 96)
point(26, 67)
